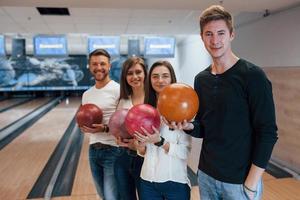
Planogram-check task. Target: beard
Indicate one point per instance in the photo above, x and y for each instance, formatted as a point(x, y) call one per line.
point(100, 75)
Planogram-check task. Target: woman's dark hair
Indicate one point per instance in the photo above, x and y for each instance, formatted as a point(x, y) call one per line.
point(150, 94)
point(125, 88)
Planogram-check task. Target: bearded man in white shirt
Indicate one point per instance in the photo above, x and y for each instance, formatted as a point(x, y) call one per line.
point(103, 150)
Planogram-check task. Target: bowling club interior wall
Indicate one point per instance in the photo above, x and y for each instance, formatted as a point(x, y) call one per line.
point(30, 73)
point(286, 91)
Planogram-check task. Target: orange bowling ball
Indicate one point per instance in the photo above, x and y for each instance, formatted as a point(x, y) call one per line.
point(177, 102)
point(89, 114)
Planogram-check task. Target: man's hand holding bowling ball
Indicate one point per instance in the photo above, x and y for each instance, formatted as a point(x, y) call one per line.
point(184, 125)
point(96, 128)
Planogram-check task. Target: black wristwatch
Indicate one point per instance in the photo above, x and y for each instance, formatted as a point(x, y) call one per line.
point(161, 142)
point(105, 128)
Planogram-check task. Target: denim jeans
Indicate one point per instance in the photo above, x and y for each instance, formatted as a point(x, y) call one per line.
point(102, 167)
point(164, 191)
point(212, 189)
point(127, 170)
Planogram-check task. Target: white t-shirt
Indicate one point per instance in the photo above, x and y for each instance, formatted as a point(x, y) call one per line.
point(107, 99)
point(125, 104)
point(160, 166)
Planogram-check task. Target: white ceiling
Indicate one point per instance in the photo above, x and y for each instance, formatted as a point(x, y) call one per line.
point(123, 17)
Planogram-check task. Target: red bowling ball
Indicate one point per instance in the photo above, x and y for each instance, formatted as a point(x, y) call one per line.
point(178, 102)
point(142, 115)
point(89, 114)
point(116, 124)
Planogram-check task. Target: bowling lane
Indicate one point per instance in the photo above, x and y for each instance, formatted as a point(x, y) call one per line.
point(8, 102)
point(12, 115)
point(83, 184)
point(23, 160)
point(86, 197)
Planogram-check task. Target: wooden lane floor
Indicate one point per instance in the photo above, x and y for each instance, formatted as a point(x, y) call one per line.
point(83, 186)
point(80, 197)
point(281, 189)
point(24, 158)
point(268, 177)
point(8, 102)
point(16, 113)
point(83, 183)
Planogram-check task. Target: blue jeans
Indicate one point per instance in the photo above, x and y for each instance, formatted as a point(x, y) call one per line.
point(127, 170)
point(212, 189)
point(164, 191)
point(102, 167)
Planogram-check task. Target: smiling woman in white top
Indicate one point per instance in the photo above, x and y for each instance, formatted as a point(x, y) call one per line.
point(164, 171)
point(132, 92)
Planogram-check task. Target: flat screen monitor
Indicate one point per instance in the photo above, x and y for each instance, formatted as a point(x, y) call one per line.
point(50, 46)
point(2, 45)
point(109, 43)
point(161, 47)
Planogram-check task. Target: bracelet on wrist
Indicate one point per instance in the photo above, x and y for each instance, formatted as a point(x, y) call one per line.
point(161, 142)
point(250, 190)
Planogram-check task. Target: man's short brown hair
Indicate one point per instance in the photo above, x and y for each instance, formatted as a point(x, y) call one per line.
point(216, 12)
point(99, 52)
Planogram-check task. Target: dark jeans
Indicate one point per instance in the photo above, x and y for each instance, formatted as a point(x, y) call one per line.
point(127, 170)
point(102, 166)
point(169, 190)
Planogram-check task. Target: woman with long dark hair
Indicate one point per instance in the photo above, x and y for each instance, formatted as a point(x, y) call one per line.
point(132, 92)
point(164, 171)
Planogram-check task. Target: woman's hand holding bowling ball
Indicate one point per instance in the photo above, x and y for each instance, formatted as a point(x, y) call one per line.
point(140, 146)
point(128, 143)
point(166, 147)
point(120, 142)
point(95, 129)
point(146, 137)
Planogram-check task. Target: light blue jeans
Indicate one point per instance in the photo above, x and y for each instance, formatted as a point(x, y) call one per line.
point(102, 167)
point(212, 189)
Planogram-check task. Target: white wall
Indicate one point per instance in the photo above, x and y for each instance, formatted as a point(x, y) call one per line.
point(271, 41)
point(192, 58)
point(274, 41)
point(174, 62)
